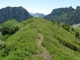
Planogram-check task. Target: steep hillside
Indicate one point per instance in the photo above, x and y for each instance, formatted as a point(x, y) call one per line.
point(76, 16)
point(18, 13)
point(39, 39)
point(67, 15)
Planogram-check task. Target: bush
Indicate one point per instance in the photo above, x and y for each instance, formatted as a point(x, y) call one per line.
point(69, 45)
point(4, 37)
point(52, 21)
point(66, 27)
point(10, 27)
point(0, 27)
point(2, 45)
point(77, 35)
point(59, 23)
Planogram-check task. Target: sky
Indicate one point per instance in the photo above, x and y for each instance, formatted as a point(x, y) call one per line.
point(39, 6)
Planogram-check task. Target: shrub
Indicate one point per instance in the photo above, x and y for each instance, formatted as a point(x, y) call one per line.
point(0, 27)
point(4, 37)
point(77, 35)
point(10, 27)
point(6, 51)
point(59, 23)
point(69, 45)
point(52, 21)
point(66, 27)
point(2, 45)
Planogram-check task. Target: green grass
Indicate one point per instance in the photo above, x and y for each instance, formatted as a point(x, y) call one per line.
point(61, 44)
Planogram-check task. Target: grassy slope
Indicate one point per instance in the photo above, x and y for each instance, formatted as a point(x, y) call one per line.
point(23, 44)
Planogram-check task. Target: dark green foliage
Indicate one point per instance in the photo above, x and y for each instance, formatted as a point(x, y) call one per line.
point(6, 51)
point(10, 27)
point(5, 37)
point(59, 23)
point(2, 45)
point(77, 35)
point(0, 27)
point(69, 45)
point(66, 27)
point(52, 21)
point(73, 29)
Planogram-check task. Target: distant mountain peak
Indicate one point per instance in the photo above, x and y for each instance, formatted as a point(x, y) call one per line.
point(39, 15)
point(68, 15)
point(18, 13)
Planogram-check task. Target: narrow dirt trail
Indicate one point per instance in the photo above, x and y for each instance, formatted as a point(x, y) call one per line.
point(45, 53)
point(40, 39)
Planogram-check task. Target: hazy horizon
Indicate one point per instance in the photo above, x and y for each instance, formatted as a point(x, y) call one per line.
point(39, 6)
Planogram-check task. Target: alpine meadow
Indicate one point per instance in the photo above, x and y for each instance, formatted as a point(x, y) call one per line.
point(29, 32)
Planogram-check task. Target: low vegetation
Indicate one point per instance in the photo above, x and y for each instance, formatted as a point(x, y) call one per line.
point(60, 42)
point(10, 27)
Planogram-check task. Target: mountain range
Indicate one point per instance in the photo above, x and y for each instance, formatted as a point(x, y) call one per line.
point(18, 13)
point(67, 15)
point(39, 38)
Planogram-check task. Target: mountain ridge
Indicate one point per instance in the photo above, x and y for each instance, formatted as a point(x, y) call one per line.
point(18, 13)
point(67, 15)
point(56, 42)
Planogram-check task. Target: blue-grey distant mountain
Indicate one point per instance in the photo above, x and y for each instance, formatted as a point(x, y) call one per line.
point(68, 15)
point(39, 15)
point(18, 13)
